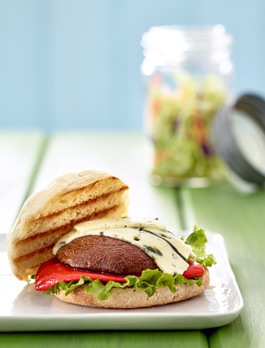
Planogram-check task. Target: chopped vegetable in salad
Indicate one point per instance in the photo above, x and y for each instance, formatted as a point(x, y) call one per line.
point(179, 121)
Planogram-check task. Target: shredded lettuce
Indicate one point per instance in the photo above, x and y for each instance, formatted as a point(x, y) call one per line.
point(179, 151)
point(150, 280)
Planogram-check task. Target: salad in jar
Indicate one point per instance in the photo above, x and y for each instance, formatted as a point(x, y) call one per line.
point(179, 119)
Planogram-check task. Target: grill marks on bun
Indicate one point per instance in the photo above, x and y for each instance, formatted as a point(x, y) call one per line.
point(39, 246)
point(51, 213)
point(65, 219)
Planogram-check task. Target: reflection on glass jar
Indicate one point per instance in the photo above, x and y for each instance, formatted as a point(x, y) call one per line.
point(188, 74)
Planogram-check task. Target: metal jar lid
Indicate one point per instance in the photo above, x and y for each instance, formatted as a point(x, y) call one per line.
point(239, 133)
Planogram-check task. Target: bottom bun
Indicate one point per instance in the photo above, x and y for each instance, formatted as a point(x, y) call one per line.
point(133, 298)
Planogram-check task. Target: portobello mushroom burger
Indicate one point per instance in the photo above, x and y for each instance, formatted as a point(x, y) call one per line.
point(75, 239)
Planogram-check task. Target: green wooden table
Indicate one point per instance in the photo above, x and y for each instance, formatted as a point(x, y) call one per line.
point(29, 161)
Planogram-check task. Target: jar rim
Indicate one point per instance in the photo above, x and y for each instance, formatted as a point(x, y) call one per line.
point(226, 139)
point(173, 44)
point(160, 38)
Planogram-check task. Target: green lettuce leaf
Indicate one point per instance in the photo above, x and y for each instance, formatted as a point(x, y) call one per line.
point(208, 261)
point(53, 290)
point(149, 281)
point(197, 240)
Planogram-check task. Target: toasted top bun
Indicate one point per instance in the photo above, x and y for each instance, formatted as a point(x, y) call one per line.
point(133, 298)
point(49, 214)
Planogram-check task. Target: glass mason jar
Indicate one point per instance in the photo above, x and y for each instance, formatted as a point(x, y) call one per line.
point(188, 73)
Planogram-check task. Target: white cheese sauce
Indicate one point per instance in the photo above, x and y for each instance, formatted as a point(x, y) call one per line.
point(168, 251)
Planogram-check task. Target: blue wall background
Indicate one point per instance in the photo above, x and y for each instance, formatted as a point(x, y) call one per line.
point(76, 64)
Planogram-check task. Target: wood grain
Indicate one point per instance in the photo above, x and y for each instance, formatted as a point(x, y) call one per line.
point(101, 339)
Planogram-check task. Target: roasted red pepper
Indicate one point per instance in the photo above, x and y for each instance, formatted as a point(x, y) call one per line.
point(53, 271)
point(193, 270)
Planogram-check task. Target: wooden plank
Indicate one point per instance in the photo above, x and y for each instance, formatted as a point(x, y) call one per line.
point(240, 218)
point(19, 154)
point(123, 339)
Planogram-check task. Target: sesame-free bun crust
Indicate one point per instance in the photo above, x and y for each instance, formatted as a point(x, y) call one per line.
point(132, 298)
point(49, 214)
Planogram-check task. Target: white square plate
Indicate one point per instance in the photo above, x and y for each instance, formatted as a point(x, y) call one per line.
point(24, 309)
